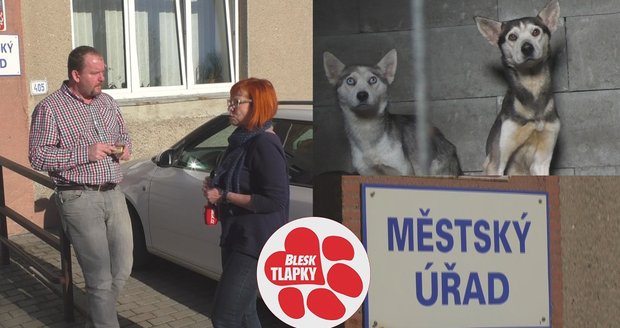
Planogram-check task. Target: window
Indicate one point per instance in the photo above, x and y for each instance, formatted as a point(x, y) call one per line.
point(161, 47)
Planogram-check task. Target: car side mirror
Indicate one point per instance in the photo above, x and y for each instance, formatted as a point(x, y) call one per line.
point(165, 159)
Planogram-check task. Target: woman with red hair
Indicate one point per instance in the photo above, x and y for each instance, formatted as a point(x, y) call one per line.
point(251, 193)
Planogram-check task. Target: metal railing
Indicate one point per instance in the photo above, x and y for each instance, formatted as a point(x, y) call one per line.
point(60, 243)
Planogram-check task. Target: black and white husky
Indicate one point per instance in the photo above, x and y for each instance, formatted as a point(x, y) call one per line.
point(524, 134)
point(383, 143)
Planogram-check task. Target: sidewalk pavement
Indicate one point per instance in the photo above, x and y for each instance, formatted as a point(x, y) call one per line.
point(162, 295)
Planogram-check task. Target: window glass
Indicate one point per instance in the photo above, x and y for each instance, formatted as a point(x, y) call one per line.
point(99, 23)
point(171, 45)
point(206, 153)
point(157, 43)
point(298, 147)
point(209, 42)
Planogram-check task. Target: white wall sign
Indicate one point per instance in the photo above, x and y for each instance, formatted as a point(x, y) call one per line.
point(456, 258)
point(38, 87)
point(9, 55)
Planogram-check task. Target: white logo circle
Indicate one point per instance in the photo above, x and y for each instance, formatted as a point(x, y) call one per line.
point(313, 272)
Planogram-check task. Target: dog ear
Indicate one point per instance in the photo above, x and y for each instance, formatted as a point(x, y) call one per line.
point(550, 15)
point(387, 65)
point(489, 28)
point(333, 67)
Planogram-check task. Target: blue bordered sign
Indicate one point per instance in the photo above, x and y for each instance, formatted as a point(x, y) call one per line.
point(9, 55)
point(456, 257)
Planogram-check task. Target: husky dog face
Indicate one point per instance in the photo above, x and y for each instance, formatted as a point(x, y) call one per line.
point(361, 89)
point(524, 42)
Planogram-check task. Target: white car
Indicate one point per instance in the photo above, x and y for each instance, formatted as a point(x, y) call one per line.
point(165, 199)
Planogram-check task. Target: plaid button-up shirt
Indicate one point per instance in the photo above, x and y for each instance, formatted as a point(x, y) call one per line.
point(62, 128)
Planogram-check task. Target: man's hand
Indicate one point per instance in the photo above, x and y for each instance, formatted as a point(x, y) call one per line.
point(99, 151)
point(125, 155)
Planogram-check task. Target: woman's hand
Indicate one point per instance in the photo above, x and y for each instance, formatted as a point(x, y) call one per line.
point(214, 195)
point(207, 183)
point(211, 193)
point(208, 190)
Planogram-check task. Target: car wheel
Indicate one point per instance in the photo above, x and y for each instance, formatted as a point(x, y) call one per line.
point(141, 256)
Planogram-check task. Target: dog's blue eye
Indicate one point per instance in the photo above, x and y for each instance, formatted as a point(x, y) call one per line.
point(372, 80)
point(350, 81)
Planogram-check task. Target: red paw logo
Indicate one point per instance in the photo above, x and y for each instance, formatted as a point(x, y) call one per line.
point(313, 272)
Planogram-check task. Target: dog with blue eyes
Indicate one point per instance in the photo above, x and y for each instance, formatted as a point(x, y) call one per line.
point(523, 137)
point(383, 143)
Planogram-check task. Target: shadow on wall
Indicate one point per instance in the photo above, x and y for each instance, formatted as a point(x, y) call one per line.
point(51, 219)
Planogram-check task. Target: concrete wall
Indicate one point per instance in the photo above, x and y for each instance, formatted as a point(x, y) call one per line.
point(465, 76)
point(47, 42)
point(280, 46)
point(14, 119)
point(590, 244)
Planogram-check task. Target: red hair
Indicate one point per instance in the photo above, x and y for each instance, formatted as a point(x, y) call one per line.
point(264, 103)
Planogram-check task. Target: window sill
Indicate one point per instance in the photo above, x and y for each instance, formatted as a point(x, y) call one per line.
point(168, 99)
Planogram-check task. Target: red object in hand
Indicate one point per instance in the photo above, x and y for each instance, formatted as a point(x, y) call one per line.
point(210, 215)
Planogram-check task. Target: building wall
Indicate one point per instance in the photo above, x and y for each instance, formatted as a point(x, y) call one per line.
point(270, 47)
point(466, 84)
point(280, 46)
point(14, 122)
point(47, 42)
point(590, 242)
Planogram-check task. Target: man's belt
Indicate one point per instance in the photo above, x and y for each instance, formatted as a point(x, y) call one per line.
point(101, 187)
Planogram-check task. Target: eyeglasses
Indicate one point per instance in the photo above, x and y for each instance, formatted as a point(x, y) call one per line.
point(235, 103)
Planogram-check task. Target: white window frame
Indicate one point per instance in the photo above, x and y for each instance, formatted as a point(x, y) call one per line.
point(188, 87)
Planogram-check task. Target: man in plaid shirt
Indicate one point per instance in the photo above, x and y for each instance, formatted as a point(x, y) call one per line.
point(78, 136)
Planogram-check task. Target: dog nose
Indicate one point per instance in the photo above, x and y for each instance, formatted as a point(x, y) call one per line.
point(362, 96)
point(527, 49)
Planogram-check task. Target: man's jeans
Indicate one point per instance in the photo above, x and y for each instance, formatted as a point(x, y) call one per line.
point(99, 227)
point(235, 296)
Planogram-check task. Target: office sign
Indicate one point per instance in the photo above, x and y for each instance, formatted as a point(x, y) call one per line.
point(456, 258)
point(9, 55)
